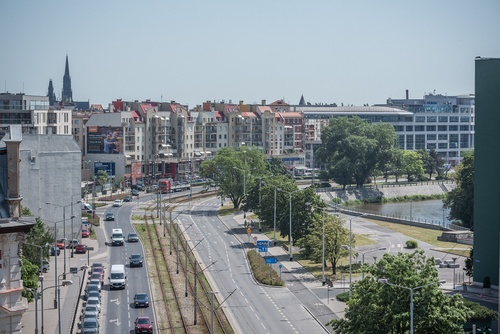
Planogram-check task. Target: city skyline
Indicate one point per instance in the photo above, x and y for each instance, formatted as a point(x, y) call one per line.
point(191, 52)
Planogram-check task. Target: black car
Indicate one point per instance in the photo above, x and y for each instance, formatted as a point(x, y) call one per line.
point(135, 260)
point(133, 237)
point(141, 300)
point(127, 198)
point(110, 216)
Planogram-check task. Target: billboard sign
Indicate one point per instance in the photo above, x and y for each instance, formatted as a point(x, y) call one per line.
point(108, 167)
point(105, 139)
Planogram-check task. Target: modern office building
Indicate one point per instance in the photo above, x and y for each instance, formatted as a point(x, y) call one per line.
point(486, 179)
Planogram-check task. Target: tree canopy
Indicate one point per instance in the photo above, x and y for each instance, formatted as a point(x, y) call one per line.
point(376, 307)
point(460, 200)
point(352, 148)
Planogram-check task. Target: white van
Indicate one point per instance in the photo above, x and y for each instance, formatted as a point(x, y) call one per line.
point(117, 277)
point(117, 237)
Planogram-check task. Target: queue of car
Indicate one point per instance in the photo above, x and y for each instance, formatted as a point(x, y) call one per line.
point(89, 319)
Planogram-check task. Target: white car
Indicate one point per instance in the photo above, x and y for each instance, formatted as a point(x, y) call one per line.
point(118, 202)
point(94, 301)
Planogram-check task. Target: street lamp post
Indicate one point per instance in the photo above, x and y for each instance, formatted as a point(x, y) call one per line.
point(35, 295)
point(72, 228)
point(350, 255)
point(275, 242)
point(363, 259)
point(454, 261)
point(323, 281)
point(290, 223)
point(64, 230)
point(386, 281)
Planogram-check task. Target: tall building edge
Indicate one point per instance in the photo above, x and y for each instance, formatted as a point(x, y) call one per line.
point(486, 177)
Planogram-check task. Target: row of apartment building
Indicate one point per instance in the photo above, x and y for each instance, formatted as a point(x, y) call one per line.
point(144, 140)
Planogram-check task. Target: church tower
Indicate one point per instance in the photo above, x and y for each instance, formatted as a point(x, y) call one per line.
point(67, 92)
point(51, 95)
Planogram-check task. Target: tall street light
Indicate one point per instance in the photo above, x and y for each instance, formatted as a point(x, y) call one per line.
point(386, 281)
point(58, 289)
point(323, 281)
point(72, 228)
point(35, 295)
point(350, 254)
point(290, 204)
point(363, 259)
point(64, 230)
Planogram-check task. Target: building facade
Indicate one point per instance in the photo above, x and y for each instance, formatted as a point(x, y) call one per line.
point(486, 180)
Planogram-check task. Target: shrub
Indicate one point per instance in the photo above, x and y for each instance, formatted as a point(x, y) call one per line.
point(480, 312)
point(261, 270)
point(411, 244)
point(343, 297)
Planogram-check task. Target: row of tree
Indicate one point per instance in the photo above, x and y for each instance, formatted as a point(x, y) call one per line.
point(354, 151)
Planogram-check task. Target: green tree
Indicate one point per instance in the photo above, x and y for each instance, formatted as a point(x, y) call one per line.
point(29, 275)
point(39, 235)
point(359, 143)
point(341, 172)
point(432, 162)
point(412, 164)
point(381, 308)
point(336, 235)
point(460, 200)
point(469, 263)
point(230, 168)
point(276, 167)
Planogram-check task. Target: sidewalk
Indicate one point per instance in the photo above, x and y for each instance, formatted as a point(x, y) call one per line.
point(70, 301)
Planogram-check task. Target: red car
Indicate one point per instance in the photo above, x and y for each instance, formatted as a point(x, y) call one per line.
point(85, 233)
point(81, 249)
point(143, 325)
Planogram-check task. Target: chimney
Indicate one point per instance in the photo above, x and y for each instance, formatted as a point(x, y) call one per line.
point(263, 102)
point(407, 94)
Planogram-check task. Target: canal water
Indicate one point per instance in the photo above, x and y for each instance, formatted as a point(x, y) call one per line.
point(430, 211)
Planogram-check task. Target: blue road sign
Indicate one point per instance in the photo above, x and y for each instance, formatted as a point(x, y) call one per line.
point(262, 243)
point(271, 260)
point(263, 249)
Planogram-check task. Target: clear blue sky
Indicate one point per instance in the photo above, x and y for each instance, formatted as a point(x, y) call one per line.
point(190, 51)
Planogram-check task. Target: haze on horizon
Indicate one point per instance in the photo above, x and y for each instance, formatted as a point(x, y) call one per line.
point(191, 51)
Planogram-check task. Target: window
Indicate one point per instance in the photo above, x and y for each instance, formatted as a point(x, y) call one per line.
point(431, 128)
point(443, 119)
point(464, 128)
point(442, 128)
point(454, 119)
point(464, 140)
point(443, 145)
point(401, 141)
point(431, 119)
point(453, 128)
point(419, 119)
point(453, 141)
point(409, 142)
point(419, 142)
point(431, 137)
point(409, 128)
point(399, 128)
point(431, 146)
point(442, 136)
point(464, 119)
point(419, 128)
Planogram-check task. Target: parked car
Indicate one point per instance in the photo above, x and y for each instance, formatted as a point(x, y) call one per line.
point(127, 198)
point(143, 325)
point(81, 249)
point(135, 260)
point(89, 309)
point(89, 288)
point(133, 237)
point(90, 325)
point(141, 300)
point(45, 266)
point(85, 233)
point(95, 282)
point(98, 276)
point(93, 301)
point(117, 202)
point(110, 216)
point(54, 250)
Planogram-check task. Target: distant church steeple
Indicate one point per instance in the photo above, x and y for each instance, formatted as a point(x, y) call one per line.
point(302, 102)
point(67, 92)
point(51, 95)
